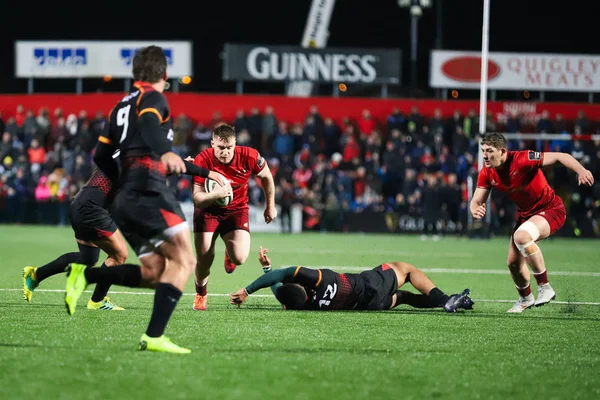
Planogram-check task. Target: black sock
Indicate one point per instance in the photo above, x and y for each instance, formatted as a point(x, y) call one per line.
point(101, 289)
point(129, 275)
point(57, 266)
point(165, 301)
point(436, 298)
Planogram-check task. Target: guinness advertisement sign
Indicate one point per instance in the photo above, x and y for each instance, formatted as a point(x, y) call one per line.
point(294, 63)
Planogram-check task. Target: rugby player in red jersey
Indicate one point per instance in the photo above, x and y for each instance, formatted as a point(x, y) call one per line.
point(541, 212)
point(237, 164)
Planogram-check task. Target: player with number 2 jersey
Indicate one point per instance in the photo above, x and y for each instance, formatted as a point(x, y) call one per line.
point(300, 288)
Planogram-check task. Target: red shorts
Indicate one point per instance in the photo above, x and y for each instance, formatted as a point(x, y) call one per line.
point(555, 214)
point(221, 223)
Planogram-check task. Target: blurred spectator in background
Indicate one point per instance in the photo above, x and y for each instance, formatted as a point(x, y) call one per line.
point(412, 164)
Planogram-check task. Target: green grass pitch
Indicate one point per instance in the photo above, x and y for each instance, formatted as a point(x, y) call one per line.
point(261, 352)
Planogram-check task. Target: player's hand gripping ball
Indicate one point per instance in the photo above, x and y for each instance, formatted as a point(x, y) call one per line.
point(211, 185)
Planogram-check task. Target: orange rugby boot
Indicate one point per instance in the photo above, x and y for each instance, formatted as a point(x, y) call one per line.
point(200, 302)
point(230, 266)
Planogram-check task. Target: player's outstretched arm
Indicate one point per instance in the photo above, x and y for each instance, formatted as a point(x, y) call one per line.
point(584, 176)
point(202, 199)
point(267, 280)
point(265, 262)
point(477, 206)
point(268, 186)
point(196, 170)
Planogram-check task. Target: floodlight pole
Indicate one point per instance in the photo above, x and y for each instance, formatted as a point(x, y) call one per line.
point(484, 67)
point(414, 39)
point(485, 31)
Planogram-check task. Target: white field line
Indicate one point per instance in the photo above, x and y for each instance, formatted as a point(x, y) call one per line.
point(579, 303)
point(454, 270)
point(363, 252)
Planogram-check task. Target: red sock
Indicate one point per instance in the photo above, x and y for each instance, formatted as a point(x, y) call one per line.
point(541, 278)
point(201, 290)
point(524, 292)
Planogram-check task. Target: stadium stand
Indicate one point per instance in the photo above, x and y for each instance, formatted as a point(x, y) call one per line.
point(337, 169)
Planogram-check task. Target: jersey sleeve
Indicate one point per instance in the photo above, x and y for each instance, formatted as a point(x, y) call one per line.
point(256, 162)
point(200, 161)
point(483, 179)
point(307, 277)
point(530, 159)
point(106, 136)
point(155, 103)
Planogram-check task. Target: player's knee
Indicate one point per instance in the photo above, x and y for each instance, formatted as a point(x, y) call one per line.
point(153, 267)
point(120, 255)
point(188, 262)
point(151, 276)
point(120, 258)
point(521, 237)
point(527, 232)
point(238, 259)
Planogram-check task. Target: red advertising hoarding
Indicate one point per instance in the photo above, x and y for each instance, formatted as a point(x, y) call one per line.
point(201, 107)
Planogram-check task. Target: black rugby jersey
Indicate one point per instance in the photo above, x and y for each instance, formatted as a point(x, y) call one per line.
point(141, 168)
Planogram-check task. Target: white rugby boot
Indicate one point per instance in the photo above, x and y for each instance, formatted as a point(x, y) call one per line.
point(522, 304)
point(545, 295)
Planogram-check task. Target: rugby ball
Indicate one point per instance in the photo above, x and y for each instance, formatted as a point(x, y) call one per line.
point(210, 185)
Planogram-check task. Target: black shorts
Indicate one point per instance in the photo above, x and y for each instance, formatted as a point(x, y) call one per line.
point(90, 221)
point(147, 218)
point(381, 283)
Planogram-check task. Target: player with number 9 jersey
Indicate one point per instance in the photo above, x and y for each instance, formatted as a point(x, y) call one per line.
point(146, 218)
point(145, 208)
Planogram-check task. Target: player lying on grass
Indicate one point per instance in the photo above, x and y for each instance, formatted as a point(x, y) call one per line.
point(300, 288)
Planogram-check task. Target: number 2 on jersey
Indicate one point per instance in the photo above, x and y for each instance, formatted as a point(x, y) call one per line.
point(330, 292)
point(123, 120)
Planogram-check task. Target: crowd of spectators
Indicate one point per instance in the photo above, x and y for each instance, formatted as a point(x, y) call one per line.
point(406, 163)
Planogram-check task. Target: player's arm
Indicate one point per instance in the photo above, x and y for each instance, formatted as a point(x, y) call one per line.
point(265, 262)
point(303, 276)
point(477, 206)
point(195, 170)
point(282, 275)
point(482, 192)
point(268, 187)
point(583, 175)
point(104, 152)
point(152, 110)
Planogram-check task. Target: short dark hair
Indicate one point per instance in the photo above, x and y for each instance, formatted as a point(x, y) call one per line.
point(291, 295)
point(150, 64)
point(495, 139)
point(224, 131)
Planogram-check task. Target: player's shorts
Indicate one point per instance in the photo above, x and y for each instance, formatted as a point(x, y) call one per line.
point(555, 213)
point(90, 221)
point(221, 224)
point(381, 283)
point(147, 218)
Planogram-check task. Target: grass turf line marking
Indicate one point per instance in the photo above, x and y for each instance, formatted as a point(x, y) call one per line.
point(453, 270)
point(579, 303)
point(307, 250)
